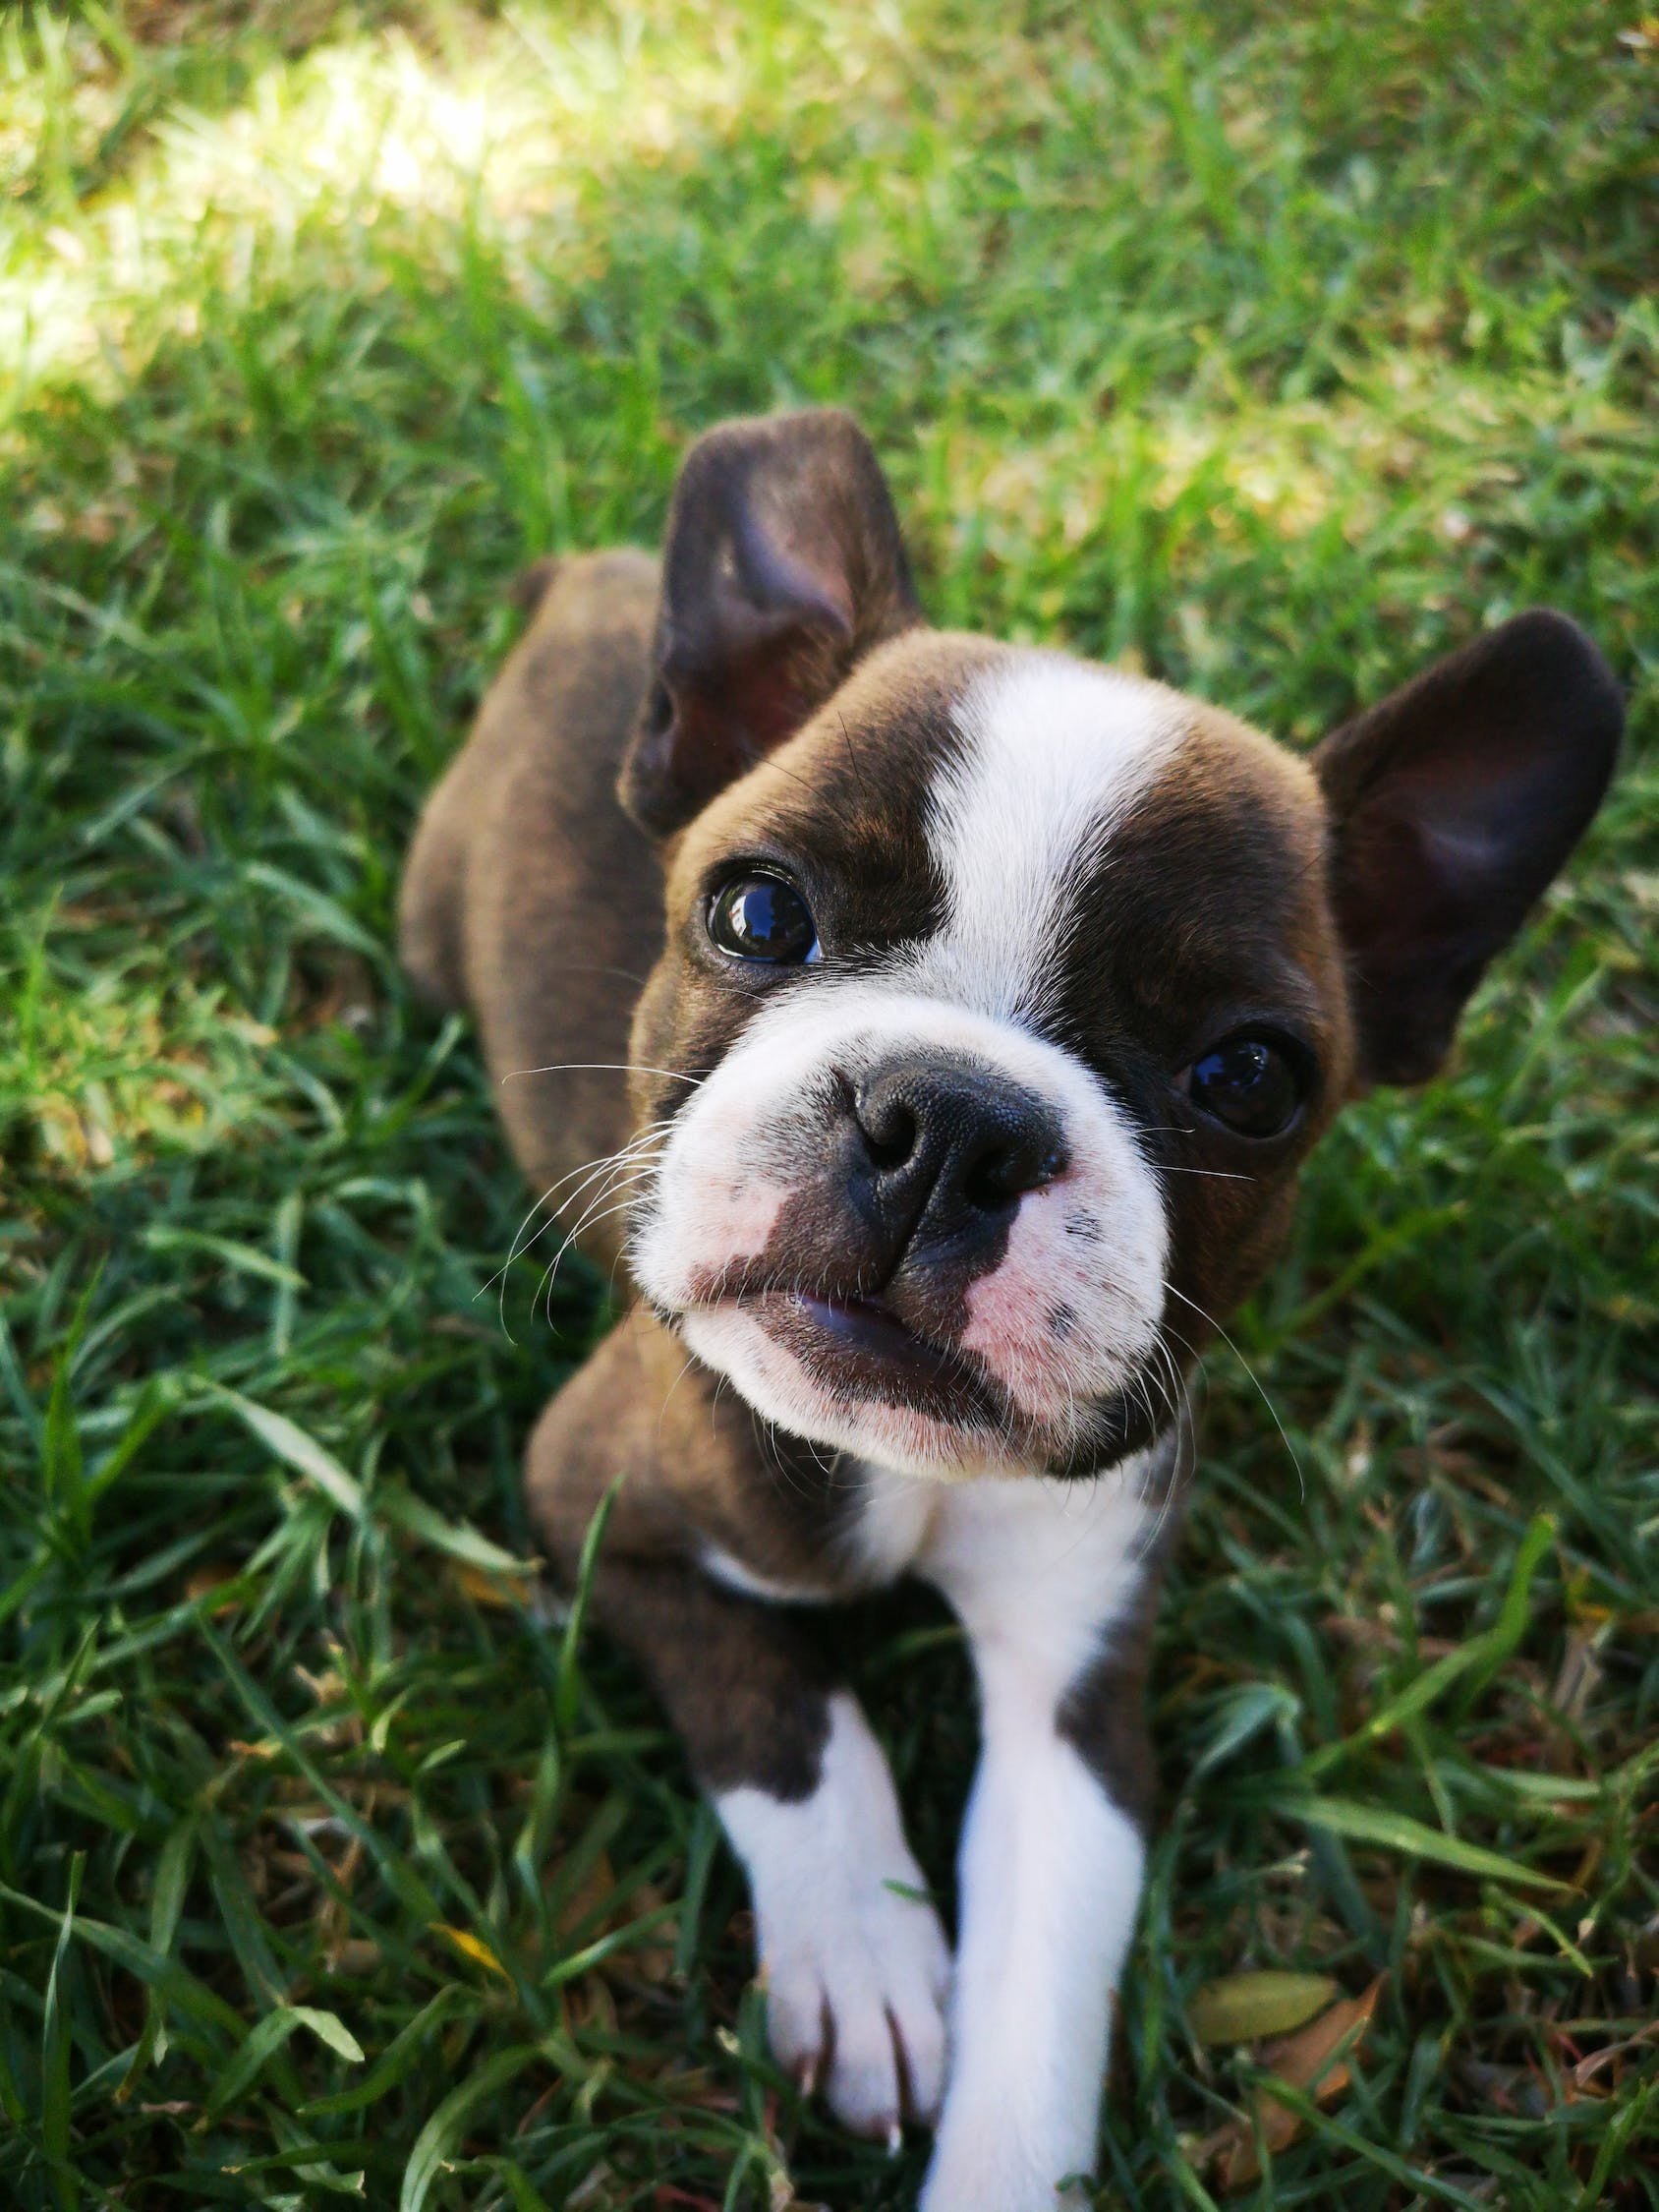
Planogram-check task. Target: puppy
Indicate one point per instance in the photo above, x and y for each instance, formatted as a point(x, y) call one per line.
point(940, 1025)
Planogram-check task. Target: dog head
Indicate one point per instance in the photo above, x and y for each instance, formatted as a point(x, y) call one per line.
point(1005, 993)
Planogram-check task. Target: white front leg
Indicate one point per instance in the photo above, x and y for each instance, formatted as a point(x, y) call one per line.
point(1051, 1873)
point(1051, 1866)
point(855, 1960)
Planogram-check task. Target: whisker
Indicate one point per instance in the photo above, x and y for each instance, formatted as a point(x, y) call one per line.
point(1182, 1437)
point(691, 1362)
point(603, 1067)
point(587, 1174)
point(589, 1220)
point(589, 1171)
point(852, 759)
point(627, 1169)
point(587, 967)
point(1261, 1391)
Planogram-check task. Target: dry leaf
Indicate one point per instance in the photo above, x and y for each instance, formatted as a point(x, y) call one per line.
point(593, 2005)
point(595, 1886)
point(1581, 1671)
point(495, 1588)
point(1585, 2072)
point(651, 1958)
point(592, 2190)
point(1246, 2007)
point(583, 1919)
point(1303, 2062)
point(208, 1578)
point(470, 1947)
point(356, 1956)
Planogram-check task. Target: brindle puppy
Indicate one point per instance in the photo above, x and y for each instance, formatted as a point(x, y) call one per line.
point(981, 1006)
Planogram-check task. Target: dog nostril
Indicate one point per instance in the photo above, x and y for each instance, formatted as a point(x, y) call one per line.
point(983, 1184)
point(1005, 1171)
point(890, 1137)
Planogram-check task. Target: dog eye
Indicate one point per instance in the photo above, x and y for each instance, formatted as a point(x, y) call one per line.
point(1252, 1085)
point(764, 918)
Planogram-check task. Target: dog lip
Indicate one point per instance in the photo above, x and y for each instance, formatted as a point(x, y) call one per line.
point(869, 1325)
point(861, 1342)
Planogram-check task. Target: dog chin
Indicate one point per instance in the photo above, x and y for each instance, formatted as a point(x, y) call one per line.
point(826, 1373)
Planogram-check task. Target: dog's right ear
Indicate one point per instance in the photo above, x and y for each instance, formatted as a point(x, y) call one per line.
point(784, 566)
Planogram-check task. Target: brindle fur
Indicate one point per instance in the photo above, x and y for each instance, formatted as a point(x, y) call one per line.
point(529, 895)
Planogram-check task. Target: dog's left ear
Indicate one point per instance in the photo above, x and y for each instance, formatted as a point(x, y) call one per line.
point(784, 566)
point(1452, 804)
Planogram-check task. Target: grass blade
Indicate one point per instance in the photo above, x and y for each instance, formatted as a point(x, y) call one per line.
point(1397, 1831)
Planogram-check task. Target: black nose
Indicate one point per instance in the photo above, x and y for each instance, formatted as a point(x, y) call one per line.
point(949, 1150)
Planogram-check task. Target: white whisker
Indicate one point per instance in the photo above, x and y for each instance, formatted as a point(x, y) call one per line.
point(1261, 1391)
point(602, 1068)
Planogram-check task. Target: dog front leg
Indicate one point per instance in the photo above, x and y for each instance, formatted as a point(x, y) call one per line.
point(854, 1960)
point(1051, 1867)
point(852, 1954)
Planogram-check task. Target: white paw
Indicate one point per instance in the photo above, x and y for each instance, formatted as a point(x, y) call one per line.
point(1051, 1871)
point(855, 2006)
point(856, 1973)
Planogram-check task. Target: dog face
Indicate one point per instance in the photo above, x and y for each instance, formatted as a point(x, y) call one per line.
point(1002, 994)
point(1017, 997)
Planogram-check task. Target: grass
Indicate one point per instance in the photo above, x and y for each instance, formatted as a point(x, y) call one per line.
point(1273, 348)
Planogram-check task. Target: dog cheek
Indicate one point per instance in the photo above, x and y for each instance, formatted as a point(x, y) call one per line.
point(706, 1225)
point(1023, 1317)
point(1062, 1318)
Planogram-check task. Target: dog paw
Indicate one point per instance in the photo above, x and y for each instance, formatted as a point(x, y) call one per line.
point(854, 1960)
point(855, 2003)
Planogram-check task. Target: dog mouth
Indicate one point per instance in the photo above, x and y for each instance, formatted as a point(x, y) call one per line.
point(860, 1347)
point(867, 1328)
point(859, 1352)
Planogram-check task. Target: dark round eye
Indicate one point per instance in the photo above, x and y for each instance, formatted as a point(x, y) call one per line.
point(1252, 1085)
point(762, 918)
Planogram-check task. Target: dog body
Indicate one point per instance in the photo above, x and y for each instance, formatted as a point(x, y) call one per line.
point(948, 1021)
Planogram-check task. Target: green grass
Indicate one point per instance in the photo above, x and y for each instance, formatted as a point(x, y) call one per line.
point(1275, 347)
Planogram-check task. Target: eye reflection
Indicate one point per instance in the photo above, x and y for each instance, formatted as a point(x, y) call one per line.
point(1252, 1085)
point(758, 918)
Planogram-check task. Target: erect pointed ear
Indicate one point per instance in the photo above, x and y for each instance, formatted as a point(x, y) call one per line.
point(784, 566)
point(1452, 807)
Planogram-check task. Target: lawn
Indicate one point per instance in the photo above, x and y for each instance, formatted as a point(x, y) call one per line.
point(1273, 349)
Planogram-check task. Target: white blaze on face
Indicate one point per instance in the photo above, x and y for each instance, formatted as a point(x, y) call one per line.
point(1054, 756)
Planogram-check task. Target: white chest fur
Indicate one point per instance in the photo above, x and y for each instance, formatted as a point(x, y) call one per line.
point(1065, 1554)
